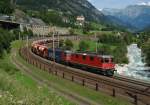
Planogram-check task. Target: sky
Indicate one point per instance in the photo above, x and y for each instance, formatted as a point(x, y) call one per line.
point(100, 4)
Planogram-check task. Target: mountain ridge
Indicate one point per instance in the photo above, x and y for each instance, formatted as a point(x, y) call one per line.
point(137, 16)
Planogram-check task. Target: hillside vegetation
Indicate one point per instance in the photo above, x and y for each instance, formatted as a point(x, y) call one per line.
point(72, 7)
point(5, 41)
point(144, 42)
point(6, 7)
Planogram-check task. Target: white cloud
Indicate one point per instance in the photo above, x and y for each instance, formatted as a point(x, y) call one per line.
point(100, 9)
point(144, 3)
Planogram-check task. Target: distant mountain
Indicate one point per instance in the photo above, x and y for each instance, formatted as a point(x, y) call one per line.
point(119, 23)
point(137, 16)
point(73, 7)
point(110, 11)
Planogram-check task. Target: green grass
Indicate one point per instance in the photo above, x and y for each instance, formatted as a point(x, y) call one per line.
point(92, 45)
point(69, 86)
point(18, 89)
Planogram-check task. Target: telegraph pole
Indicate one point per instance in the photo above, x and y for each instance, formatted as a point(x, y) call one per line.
point(27, 41)
point(96, 43)
point(19, 36)
point(58, 39)
point(27, 46)
point(54, 44)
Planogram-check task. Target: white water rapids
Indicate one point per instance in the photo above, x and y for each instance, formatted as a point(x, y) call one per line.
point(136, 68)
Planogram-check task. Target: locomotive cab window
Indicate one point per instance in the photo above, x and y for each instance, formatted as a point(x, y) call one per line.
point(77, 56)
point(83, 57)
point(91, 58)
point(106, 60)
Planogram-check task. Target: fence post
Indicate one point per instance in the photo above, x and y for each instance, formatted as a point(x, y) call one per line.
point(56, 72)
point(135, 100)
point(96, 87)
point(114, 93)
point(63, 75)
point(72, 78)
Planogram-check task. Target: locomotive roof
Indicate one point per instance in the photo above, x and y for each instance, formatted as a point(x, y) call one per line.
point(84, 53)
point(94, 54)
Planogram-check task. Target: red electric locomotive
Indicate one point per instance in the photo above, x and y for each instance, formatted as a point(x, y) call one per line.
point(100, 64)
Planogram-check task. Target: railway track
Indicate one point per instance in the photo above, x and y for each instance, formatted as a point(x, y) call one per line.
point(134, 91)
point(137, 82)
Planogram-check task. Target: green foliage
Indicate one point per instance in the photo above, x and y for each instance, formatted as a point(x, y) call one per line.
point(126, 38)
point(6, 7)
point(143, 40)
point(23, 34)
point(95, 26)
point(86, 27)
point(68, 44)
point(26, 33)
point(53, 17)
point(5, 41)
point(146, 50)
point(115, 45)
point(6, 37)
point(83, 46)
point(104, 49)
point(143, 37)
point(71, 31)
point(108, 44)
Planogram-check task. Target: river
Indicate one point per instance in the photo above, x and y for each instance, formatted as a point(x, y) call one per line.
point(136, 67)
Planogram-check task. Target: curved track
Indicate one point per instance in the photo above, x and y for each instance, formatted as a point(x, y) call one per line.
point(134, 91)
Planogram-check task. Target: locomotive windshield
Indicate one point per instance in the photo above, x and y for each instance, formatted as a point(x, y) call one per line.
point(106, 60)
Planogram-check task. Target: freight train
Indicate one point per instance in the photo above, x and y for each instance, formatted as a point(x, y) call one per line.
point(95, 63)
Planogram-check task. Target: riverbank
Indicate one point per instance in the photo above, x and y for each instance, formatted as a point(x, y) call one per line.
point(136, 67)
